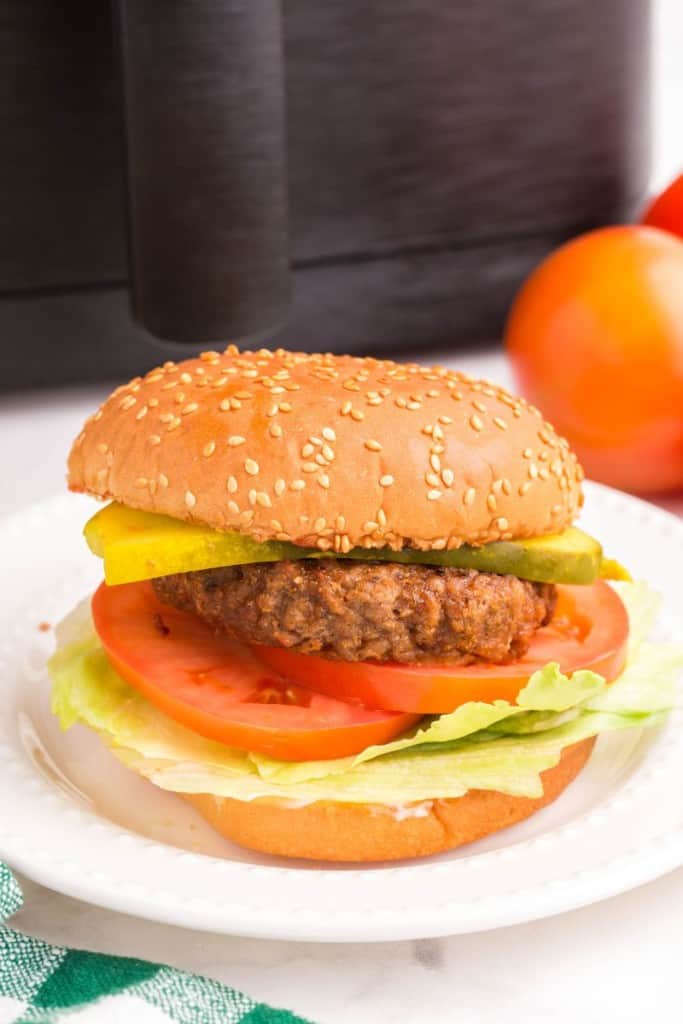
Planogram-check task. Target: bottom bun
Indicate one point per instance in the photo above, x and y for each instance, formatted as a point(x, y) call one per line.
point(373, 832)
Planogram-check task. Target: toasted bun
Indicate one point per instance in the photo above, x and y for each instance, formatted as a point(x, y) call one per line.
point(363, 832)
point(329, 451)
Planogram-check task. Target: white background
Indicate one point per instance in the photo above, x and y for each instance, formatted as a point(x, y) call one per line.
point(617, 961)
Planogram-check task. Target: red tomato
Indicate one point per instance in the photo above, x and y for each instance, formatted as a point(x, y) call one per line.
point(589, 630)
point(595, 338)
point(666, 211)
point(221, 690)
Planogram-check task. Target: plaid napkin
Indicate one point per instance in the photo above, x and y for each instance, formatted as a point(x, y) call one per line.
point(45, 984)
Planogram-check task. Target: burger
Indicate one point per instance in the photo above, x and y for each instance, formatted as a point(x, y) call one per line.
point(346, 614)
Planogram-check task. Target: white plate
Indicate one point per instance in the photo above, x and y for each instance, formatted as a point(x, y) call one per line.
point(74, 819)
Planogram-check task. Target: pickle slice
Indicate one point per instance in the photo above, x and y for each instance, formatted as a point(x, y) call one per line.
point(139, 545)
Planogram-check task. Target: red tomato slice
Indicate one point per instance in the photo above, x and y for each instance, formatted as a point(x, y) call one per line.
point(589, 630)
point(221, 689)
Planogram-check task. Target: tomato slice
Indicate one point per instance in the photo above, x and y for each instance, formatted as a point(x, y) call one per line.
point(221, 689)
point(589, 630)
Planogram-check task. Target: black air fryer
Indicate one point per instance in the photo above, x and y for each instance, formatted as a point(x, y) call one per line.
point(346, 175)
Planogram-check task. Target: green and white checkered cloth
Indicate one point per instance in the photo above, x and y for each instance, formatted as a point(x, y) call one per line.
point(44, 984)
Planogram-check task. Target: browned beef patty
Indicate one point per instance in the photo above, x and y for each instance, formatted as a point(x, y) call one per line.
point(361, 611)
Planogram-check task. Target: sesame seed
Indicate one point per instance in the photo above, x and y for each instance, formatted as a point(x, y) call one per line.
point(428, 429)
point(502, 523)
point(246, 517)
point(448, 477)
point(528, 453)
point(543, 473)
point(263, 499)
point(500, 423)
point(523, 488)
point(533, 471)
point(251, 466)
point(340, 523)
point(209, 449)
point(286, 406)
point(413, 405)
point(386, 480)
point(350, 385)
point(373, 446)
point(401, 402)
point(320, 524)
point(381, 517)
point(141, 413)
point(185, 378)
point(357, 415)
point(163, 480)
point(232, 484)
point(370, 526)
point(491, 502)
point(475, 422)
point(446, 420)
point(321, 460)
point(497, 486)
point(469, 496)
point(235, 440)
point(434, 495)
point(234, 507)
point(190, 407)
point(273, 411)
point(128, 402)
point(190, 499)
point(433, 393)
point(329, 434)
point(141, 481)
point(323, 480)
point(435, 462)
point(275, 430)
point(310, 467)
point(479, 406)
point(252, 496)
point(297, 485)
point(432, 479)
point(280, 486)
point(307, 451)
point(456, 396)
point(507, 486)
point(246, 395)
point(225, 405)
point(375, 401)
point(328, 452)
point(175, 422)
point(235, 403)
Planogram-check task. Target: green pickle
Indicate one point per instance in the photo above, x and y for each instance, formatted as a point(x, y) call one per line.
point(139, 545)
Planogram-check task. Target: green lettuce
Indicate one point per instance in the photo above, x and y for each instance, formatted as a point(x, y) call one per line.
point(498, 746)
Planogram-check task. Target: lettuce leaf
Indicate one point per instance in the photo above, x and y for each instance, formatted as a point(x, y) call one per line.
point(498, 746)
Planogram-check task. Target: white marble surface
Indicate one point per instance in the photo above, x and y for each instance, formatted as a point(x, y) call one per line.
point(616, 961)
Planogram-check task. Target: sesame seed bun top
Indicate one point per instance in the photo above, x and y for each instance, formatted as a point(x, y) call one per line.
point(329, 451)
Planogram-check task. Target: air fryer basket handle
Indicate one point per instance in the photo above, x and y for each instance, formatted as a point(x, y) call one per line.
point(204, 135)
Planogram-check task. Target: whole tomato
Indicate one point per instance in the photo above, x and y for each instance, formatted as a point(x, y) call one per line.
point(666, 211)
point(595, 337)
